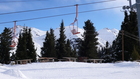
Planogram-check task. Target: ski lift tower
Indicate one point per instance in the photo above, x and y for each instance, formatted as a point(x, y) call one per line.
point(138, 15)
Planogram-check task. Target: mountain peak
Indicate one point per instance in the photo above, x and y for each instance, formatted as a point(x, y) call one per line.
point(38, 35)
point(107, 35)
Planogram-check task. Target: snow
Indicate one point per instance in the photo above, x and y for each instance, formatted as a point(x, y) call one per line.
point(107, 35)
point(71, 70)
point(39, 36)
point(14, 72)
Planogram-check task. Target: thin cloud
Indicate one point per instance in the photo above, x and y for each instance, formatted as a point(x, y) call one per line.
point(4, 8)
point(10, 7)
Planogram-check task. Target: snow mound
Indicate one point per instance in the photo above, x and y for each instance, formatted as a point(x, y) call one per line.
point(15, 73)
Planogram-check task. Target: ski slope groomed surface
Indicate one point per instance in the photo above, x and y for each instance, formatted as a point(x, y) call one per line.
point(71, 70)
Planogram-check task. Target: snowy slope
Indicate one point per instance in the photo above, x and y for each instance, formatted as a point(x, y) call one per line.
point(107, 35)
point(71, 70)
point(39, 35)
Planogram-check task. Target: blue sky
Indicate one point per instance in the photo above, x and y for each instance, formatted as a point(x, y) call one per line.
point(102, 19)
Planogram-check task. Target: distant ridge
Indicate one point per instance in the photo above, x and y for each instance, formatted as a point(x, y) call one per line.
point(39, 35)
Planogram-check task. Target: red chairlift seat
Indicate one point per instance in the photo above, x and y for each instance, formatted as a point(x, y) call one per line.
point(74, 31)
point(13, 45)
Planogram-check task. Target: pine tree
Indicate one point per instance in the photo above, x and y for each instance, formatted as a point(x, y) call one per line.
point(25, 47)
point(21, 52)
point(31, 51)
point(117, 53)
point(61, 43)
point(69, 52)
point(113, 51)
point(45, 48)
point(132, 29)
point(135, 55)
point(74, 52)
point(118, 40)
point(48, 49)
point(88, 47)
point(5, 41)
point(129, 25)
point(52, 44)
point(106, 53)
point(79, 47)
point(75, 45)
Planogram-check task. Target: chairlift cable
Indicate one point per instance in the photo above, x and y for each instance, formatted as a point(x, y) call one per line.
point(54, 7)
point(61, 15)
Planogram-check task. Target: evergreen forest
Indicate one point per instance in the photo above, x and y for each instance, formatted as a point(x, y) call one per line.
point(125, 47)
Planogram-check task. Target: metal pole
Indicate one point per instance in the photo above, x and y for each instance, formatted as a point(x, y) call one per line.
point(138, 14)
point(77, 16)
point(14, 35)
point(130, 4)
